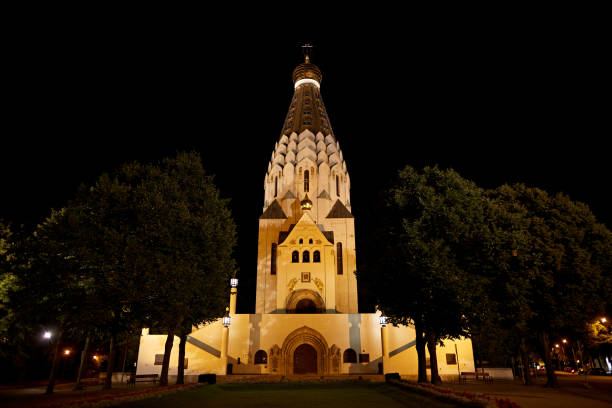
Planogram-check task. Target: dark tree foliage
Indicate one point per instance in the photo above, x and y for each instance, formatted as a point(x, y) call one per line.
point(421, 275)
point(567, 265)
point(149, 245)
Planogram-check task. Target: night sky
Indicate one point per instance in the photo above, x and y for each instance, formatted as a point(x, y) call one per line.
point(499, 105)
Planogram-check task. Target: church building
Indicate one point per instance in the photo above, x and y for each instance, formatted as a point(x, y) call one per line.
point(306, 319)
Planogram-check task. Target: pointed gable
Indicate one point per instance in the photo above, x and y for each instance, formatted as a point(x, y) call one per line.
point(305, 227)
point(339, 211)
point(324, 194)
point(274, 211)
point(288, 195)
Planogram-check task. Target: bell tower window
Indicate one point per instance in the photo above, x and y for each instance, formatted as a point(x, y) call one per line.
point(306, 256)
point(275, 186)
point(338, 186)
point(306, 181)
point(316, 256)
point(339, 257)
point(295, 257)
point(273, 260)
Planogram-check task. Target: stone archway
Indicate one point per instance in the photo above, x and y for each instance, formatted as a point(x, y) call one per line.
point(300, 337)
point(305, 295)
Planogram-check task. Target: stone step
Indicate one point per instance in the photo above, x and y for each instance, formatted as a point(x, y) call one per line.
point(266, 378)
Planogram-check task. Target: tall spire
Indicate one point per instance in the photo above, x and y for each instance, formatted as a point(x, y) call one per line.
point(307, 110)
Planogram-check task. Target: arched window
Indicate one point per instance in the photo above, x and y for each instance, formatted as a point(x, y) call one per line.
point(339, 257)
point(310, 241)
point(338, 186)
point(349, 356)
point(261, 357)
point(316, 256)
point(273, 260)
point(306, 256)
point(295, 257)
point(306, 181)
point(301, 241)
point(275, 186)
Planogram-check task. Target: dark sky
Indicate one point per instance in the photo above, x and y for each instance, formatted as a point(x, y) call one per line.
point(510, 104)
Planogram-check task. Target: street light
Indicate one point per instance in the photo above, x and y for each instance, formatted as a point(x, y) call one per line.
point(603, 320)
point(564, 341)
point(227, 320)
point(382, 320)
point(47, 335)
point(67, 352)
point(234, 282)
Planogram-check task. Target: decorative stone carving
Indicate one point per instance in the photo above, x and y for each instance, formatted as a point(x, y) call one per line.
point(334, 360)
point(292, 284)
point(275, 357)
point(319, 284)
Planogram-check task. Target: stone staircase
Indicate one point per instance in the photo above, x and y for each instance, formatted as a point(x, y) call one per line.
point(267, 378)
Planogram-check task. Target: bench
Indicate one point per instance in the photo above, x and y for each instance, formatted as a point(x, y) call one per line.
point(465, 375)
point(142, 378)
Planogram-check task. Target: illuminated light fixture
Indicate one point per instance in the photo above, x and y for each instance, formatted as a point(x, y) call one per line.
point(577, 361)
point(47, 335)
point(227, 320)
point(95, 357)
point(603, 320)
point(564, 341)
point(234, 282)
point(556, 345)
point(67, 352)
point(307, 81)
point(382, 320)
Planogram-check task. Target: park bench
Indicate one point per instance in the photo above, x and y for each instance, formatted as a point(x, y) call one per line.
point(465, 375)
point(143, 378)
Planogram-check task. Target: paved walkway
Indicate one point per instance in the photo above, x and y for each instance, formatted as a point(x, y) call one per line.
point(571, 393)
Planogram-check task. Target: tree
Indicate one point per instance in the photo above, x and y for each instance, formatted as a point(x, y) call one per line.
point(159, 239)
point(193, 240)
point(569, 256)
point(432, 222)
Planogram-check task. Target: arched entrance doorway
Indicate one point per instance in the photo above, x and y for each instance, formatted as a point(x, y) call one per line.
point(306, 306)
point(305, 360)
point(304, 346)
point(305, 301)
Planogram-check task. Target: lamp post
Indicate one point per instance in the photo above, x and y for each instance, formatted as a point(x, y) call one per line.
point(226, 321)
point(382, 319)
point(233, 295)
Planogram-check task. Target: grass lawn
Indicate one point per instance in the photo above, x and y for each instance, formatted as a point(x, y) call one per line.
point(293, 395)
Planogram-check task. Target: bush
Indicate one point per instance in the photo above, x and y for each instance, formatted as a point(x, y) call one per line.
point(207, 378)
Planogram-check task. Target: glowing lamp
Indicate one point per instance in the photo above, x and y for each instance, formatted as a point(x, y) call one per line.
point(227, 320)
point(47, 335)
point(67, 352)
point(564, 341)
point(95, 357)
point(382, 320)
point(603, 320)
point(234, 282)
point(556, 345)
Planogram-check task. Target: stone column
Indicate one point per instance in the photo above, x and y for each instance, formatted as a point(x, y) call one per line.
point(385, 347)
point(224, 347)
point(233, 296)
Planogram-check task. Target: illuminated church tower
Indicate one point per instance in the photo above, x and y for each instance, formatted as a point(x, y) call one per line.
point(306, 250)
point(306, 319)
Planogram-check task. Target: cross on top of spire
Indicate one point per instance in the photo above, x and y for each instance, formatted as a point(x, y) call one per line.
point(307, 50)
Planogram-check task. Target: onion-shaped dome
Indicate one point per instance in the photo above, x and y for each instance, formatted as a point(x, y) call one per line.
point(306, 70)
point(306, 204)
